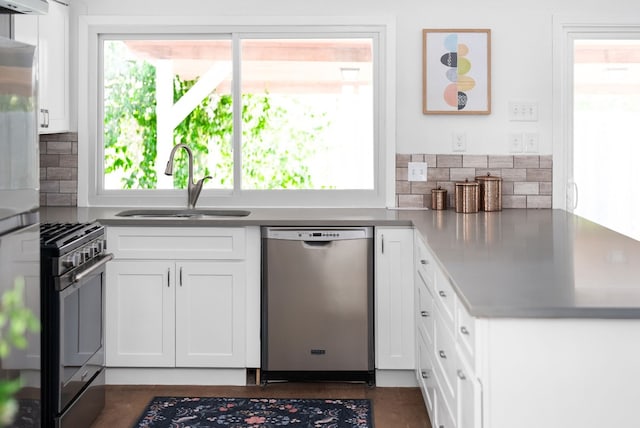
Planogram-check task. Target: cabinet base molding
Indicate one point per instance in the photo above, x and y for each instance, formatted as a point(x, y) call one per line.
point(175, 376)
point(396, 378)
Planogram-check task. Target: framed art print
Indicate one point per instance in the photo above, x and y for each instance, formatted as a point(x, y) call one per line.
point(456, 71)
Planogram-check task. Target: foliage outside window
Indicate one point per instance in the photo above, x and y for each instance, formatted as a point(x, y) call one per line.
point(305, 113)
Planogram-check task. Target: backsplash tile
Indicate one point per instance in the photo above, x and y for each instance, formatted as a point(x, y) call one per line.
point(526, 179)
point(59, 169)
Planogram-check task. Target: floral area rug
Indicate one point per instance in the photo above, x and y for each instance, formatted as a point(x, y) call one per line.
point(210, 412)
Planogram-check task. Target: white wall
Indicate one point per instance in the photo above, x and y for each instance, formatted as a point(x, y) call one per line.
point(522, 51)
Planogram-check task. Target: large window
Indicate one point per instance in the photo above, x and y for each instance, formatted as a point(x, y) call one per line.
point(275, 117)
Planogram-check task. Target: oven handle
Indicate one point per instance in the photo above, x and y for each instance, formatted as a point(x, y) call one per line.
point(75, 277)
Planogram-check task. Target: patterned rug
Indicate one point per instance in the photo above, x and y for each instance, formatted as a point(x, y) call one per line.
point(211, 412)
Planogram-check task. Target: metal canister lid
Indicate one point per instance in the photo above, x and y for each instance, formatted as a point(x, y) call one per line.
point(488, 177)
point(466, 182)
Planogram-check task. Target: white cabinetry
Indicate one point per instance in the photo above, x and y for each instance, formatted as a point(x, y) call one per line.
point(446, 342)
point(50, 33)
point(395, 337)
point(176, 297)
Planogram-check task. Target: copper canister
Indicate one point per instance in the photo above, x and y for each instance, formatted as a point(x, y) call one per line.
point(439, 199)
point(490, 192)
point(467, 196)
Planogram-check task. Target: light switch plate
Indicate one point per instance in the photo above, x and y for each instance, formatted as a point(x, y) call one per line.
point(417, 171)
point(531, 142)
point(514, 140)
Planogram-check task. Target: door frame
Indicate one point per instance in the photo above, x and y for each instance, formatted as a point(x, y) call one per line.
point(565, 31)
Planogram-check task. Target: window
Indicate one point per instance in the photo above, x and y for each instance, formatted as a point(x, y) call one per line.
point(275, 116)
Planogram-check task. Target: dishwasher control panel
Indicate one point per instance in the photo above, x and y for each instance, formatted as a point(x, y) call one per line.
point(317, 234)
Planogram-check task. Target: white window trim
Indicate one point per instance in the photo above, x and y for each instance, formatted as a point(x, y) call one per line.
point(90, 27)
point(565, 31)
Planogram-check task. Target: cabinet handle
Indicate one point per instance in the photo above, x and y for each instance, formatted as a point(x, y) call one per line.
point(425, 374)
point(180, 276)
point(442, 354)
point(425, 314)
point(168, 278)
point(442, 293)
point(464, 330)
point(45, 118)
point(461, 375)
point(424, 262)
point(382, 243)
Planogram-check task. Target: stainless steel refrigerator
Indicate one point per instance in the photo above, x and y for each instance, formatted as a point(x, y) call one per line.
point(19, 217)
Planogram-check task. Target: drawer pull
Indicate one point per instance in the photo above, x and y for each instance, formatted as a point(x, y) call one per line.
point(442, 354)
point(464, 330)
point(424, 262)
point(442, 293)
point(461, 375)
point(425, 314)
point(425, 374)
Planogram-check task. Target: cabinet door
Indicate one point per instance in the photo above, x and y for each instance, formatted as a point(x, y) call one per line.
point(210, 328)
point(469, 396)
point(394, 290)
point(50, 33)
point(140, 320)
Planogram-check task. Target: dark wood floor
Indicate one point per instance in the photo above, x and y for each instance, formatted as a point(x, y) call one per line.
point(392, 407)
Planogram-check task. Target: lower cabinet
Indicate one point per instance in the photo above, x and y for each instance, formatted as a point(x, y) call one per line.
point(175, 314)
point(445, 338)
point(395, 330)
point(177, 297)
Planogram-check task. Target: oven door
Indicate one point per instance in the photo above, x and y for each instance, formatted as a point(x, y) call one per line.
point(81, 332)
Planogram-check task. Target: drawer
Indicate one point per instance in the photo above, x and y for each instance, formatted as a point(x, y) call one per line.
point(444, 414)
point(425, 264)
point(445, 296)
point(425, 308)
point(445, 356)
point(466, 331)
point(426, 374)
point(177, 243)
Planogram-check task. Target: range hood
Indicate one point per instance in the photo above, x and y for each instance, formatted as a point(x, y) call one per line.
point(32, 7)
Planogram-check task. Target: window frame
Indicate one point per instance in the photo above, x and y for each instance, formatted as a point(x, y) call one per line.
point(90, 148)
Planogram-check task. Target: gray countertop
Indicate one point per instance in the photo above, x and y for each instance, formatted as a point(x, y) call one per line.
point(512, 263)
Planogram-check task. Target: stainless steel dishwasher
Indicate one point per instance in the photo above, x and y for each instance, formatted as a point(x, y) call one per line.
point(317, 304)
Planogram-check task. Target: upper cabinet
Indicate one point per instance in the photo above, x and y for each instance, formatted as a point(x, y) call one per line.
point(50, 33)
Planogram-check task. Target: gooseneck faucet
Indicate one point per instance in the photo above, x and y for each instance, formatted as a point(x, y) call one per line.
point(193, 189)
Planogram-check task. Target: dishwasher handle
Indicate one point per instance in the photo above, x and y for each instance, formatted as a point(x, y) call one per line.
point(316, 244)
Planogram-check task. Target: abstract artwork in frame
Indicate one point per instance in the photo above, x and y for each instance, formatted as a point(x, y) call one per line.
point(456, 71)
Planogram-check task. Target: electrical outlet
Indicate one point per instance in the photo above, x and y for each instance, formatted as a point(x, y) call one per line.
point(531, 142)
point(514, 140)
point(417, 171)
point(459, 143)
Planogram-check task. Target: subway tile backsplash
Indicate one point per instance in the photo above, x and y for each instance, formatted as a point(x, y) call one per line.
point(59, 169)
point(526, 179)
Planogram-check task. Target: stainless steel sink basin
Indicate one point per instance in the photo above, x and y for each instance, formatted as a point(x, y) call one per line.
point(182, 212)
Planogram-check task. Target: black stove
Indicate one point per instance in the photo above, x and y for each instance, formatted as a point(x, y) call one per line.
point(68, 246)
point(72, 277)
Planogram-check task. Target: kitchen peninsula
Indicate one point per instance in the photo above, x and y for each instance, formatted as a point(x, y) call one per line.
point(553, 301)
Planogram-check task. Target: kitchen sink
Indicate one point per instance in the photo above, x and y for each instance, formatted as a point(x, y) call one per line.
point(183, 212)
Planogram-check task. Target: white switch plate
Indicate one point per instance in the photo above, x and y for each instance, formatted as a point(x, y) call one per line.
point(417, 171)
point(531, 142)
point(514, 139)
point(523, 111)
point(459, 142)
